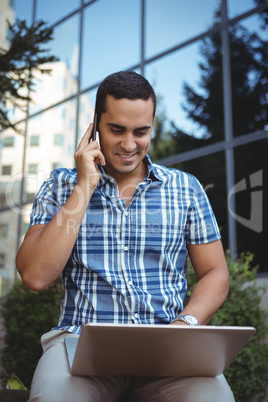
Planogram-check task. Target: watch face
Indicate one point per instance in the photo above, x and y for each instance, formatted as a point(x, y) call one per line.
point(192, 320)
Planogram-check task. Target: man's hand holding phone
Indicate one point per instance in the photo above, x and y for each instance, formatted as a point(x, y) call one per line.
point(87, 156)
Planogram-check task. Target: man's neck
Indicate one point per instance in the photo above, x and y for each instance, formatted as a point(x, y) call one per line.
point(128, 182)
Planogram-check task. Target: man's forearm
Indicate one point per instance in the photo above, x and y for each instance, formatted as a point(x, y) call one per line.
point(46, 250)
point(208, 295)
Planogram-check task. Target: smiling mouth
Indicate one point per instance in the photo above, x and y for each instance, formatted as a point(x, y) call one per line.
point(127, 156)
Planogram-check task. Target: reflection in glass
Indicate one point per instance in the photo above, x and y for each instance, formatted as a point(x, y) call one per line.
point(239, 7)
point(111, 39)
point(9, 12)
point(9, 141)
point(11, 165)
point(251, 192)
point(52, 11)
point(167, 76)
point(34, 140)
point(23, 10)
point(86, 110)
point(190, 105)
point(249, 76)
point(61, 83)
point(210, 171)
point(256, 24)
point(55, 130)
point(171, 22)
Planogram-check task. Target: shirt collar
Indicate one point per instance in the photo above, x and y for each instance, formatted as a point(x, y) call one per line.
point(151, 173)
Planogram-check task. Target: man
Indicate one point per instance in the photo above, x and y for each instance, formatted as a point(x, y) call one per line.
point(118, 229)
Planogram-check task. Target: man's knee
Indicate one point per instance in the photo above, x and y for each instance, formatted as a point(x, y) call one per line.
point(194, 389)
point(207, 389)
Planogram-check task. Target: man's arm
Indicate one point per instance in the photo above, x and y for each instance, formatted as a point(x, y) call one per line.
point(47, 248)
point(212, 287)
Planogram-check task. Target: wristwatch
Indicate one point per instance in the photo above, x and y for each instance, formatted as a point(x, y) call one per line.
point(188, 318)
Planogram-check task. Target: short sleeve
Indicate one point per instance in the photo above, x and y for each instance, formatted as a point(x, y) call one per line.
point(202, 226)
point(45, 205)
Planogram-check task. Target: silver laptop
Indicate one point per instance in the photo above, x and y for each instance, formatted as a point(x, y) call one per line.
point(154, 350)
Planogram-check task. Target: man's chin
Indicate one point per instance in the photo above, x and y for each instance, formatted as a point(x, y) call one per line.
point(124, 168)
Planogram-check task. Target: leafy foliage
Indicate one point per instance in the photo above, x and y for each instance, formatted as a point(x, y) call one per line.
point(18, 64)
point(27, 315)
point(248, 373)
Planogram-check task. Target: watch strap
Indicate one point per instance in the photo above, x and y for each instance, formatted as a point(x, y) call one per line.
point(188, 319)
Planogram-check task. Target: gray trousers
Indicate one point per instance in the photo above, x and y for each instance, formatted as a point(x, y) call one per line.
point(52, 382)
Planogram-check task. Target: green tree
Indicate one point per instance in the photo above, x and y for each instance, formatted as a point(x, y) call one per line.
point(25, 56)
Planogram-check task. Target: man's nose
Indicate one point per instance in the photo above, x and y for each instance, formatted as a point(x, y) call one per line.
point(128, 142)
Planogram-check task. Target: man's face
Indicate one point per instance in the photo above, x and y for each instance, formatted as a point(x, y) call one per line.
point(125, 135)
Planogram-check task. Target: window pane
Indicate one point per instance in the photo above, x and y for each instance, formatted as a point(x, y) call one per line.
point(61, 83)
point(24, 10)
point(111, 38)
point(10, 168)
point(251, 192)
point(190, 108)
point(56, 131)
point(249, 76)
point(86, 110)
point(32, 168)
point(56, 165)
point(210, 171)
point(239, 7)
point(49, 10)
point(2, 260)
point(34, 140)
point(171, 22)
point(6, 170)
point(3, 229)
point(59, 139)
point(8, 141)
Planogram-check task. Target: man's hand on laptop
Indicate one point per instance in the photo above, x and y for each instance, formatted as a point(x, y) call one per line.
point(178, 322)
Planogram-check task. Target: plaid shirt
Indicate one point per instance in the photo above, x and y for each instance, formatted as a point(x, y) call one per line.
point(128, 264)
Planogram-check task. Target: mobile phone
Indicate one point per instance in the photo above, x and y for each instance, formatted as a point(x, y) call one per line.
point(93, 135)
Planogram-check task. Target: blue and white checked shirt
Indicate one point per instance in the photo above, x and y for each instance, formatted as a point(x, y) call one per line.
point(128, 264)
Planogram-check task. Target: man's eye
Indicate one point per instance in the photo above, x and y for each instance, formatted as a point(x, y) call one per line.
point(141, 132)
point(116, 131)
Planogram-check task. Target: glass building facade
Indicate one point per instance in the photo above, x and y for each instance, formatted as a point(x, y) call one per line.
point(206, 61)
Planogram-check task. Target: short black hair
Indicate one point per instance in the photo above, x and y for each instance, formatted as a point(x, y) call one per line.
point(123, 84)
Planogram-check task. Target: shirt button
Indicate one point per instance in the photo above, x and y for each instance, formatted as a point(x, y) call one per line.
point(130, 283)
point(136, 315)
point(126, 213)
point(126, 248)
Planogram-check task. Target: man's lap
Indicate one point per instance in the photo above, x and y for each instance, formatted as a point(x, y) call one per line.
point(53, 382)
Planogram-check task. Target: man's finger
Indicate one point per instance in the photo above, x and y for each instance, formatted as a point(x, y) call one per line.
point(99, 157)
point(86, 137)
